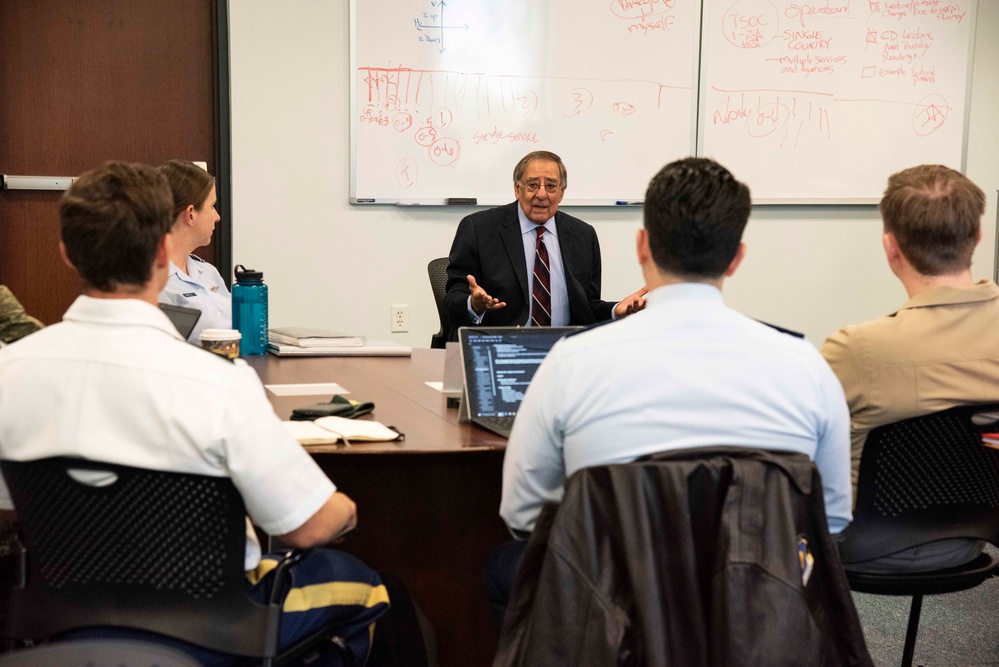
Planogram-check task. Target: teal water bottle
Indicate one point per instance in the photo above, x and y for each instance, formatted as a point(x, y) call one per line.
point(249, 310)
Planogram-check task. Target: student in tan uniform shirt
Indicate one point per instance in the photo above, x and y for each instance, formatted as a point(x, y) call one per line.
point(941, 348)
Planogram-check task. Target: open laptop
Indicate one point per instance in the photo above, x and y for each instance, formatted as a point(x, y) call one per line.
point(453, 384)
point(183, 318)
point(498, 364)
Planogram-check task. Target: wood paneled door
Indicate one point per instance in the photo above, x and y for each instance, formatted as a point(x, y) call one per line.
point(85, 82)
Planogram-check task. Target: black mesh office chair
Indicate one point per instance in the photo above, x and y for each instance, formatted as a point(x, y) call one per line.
point(153, 551)
point(437, 269)
point(922, 480)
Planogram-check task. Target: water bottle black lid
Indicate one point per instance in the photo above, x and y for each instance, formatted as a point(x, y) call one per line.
point(245, 275)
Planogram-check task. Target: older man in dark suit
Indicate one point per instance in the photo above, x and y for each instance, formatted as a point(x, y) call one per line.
point(526, 263)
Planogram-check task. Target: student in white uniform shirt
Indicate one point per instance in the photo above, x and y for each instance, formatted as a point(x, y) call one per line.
point(114, 382)
point(193, 282)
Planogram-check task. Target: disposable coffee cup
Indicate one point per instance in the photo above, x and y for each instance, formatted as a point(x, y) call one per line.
point(223, 342)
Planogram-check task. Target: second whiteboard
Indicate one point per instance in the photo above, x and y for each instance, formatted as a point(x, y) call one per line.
point(821, 102)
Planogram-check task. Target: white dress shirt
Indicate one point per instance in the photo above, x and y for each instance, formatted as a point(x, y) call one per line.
point(559, 292)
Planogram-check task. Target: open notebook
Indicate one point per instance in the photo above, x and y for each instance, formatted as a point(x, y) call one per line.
point(328, 430)
point(498, 364)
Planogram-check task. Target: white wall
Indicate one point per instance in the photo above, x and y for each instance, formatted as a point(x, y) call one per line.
point(330, 264)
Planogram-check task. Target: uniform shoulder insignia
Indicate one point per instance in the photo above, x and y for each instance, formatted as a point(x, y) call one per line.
point(790, 332)
point(590, 327)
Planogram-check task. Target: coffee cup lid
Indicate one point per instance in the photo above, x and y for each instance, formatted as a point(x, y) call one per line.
point(220, 334)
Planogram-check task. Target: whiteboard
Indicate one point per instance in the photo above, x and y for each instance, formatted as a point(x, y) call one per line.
point(447, 96)
point(821, 102)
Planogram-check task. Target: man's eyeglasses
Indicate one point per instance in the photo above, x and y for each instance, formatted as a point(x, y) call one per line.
point(533, 186)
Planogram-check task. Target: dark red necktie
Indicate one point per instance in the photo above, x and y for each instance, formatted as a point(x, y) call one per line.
point(541, 292)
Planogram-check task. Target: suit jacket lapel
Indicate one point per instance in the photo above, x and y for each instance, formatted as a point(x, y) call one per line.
point(564, 241)
point(578, 304)
point(514, 243)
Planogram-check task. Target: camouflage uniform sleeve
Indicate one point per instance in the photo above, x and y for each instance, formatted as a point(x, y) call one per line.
point(14, 322)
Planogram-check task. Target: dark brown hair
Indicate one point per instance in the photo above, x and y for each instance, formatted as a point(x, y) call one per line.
point(935, 214)
point(695, 213)
point(112, 220)
point(189, 183)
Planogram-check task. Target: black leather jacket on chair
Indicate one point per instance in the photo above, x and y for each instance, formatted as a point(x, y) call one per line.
point(687, 558)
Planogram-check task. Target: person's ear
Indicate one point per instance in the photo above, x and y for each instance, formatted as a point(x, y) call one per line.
point(642, 248)
point(65, 257)
point(892, 251)
point(189, 213)
point(162, 257)
point(736, 261)
point(897, 261)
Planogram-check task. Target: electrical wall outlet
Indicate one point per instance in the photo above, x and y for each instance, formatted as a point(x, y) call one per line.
point(400, 318)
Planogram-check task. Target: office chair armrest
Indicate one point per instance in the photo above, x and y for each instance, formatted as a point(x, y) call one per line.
point(22, 560)
point(280, 572)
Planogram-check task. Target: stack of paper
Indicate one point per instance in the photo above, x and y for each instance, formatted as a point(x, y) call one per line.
point(369, 349)
point(307, 337)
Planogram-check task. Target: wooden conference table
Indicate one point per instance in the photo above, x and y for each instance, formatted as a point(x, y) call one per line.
point(427, 506)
